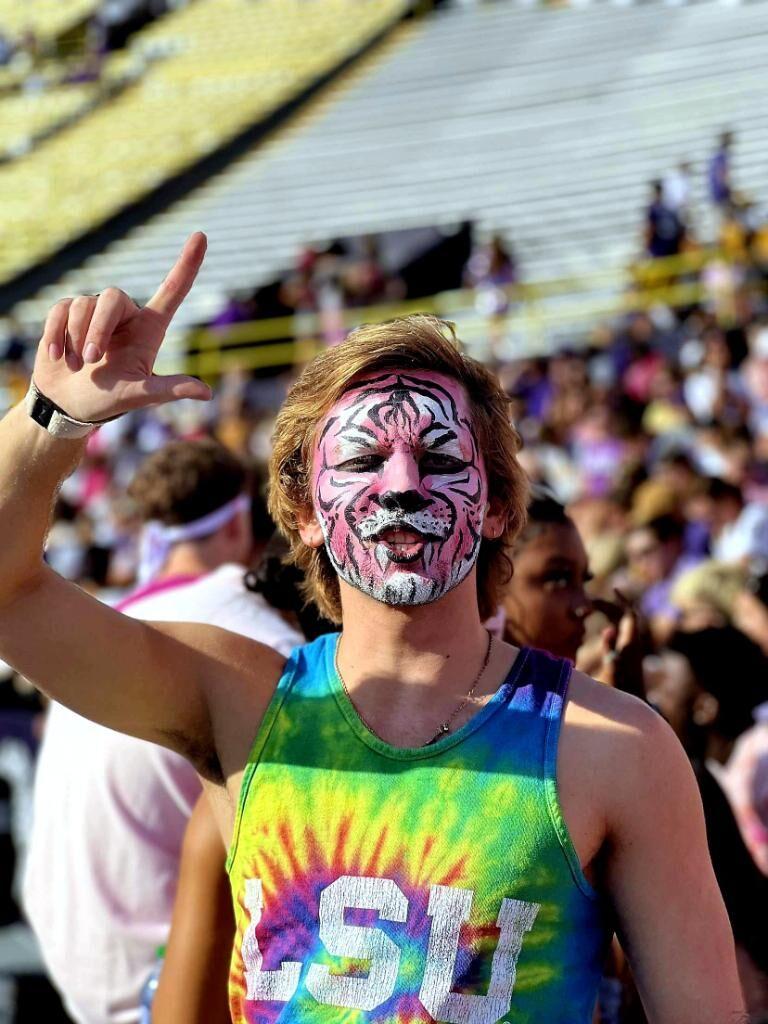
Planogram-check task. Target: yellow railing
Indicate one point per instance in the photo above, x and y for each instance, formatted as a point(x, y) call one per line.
point(293, 340)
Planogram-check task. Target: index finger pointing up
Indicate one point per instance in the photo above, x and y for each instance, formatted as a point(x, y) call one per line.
point(175, 288)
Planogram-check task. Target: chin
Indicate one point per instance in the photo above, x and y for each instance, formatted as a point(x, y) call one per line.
point(409, 590)
point(404, 589)
point(565, 649)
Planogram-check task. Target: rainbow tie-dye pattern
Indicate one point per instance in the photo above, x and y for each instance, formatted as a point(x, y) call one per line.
point(373, 883)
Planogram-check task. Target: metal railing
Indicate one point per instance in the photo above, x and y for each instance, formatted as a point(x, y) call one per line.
point(535, 312)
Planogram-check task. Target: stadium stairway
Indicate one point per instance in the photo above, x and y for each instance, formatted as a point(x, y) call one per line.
point(544, 124)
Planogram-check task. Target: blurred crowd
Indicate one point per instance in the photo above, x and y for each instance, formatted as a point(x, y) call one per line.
point(656, 443)
point(325, 280)
point(673, 224)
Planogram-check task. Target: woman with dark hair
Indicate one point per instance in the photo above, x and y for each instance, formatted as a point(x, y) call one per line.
point(545, 603)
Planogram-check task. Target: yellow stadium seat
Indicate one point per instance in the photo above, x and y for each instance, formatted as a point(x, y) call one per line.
point(46, 18)
point(210, 70)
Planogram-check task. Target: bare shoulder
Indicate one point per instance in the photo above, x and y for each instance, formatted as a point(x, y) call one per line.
point(628, 751)
point(616, 718)
point(654, 866)
point(596, 701)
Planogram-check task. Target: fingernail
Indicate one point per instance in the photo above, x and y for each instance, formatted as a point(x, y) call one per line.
point(91, 353)
point(54, 352)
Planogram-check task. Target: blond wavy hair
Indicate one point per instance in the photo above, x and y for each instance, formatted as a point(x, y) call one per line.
point(418, 342)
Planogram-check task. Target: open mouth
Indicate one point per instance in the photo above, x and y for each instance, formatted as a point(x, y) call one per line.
point(401, 544)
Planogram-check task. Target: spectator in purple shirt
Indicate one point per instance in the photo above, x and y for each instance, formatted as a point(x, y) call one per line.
point(719, 172)
point(664, 231)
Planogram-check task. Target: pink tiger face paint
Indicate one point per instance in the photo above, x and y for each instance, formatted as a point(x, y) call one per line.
point(399, 487)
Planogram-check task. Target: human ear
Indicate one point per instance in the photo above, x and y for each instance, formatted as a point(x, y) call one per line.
point(495, 521)
point(309, 530)
point(237, 527)
point(705, 709)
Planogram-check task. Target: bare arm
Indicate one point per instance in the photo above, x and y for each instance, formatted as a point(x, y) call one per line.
point(672, 920)
point(193, 982)
point(152, 682)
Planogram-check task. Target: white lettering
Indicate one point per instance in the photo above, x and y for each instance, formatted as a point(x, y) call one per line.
point(345, 940)
point(280, 984)
point(449, 908)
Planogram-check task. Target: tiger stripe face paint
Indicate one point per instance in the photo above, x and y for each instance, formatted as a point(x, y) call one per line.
point(399, 487)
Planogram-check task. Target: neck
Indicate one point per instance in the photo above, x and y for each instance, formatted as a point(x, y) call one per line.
point(398, 639)
point(408, 668)
point(189, 560)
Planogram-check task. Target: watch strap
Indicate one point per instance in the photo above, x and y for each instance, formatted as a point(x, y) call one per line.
point(53, 418)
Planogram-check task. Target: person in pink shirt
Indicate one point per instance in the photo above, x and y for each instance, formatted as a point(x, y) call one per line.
point(114, 808)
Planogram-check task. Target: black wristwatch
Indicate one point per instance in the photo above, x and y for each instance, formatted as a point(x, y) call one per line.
point(52, 417)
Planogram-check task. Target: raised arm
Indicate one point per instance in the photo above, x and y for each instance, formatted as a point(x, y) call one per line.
point(95, 361)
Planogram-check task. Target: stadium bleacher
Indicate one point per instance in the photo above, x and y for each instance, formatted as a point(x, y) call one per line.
point(513, 142)
point(546, 124)
point(47, 19)
point(211, 69)
point(27, 116)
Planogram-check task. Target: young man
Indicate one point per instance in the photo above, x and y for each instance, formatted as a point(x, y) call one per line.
point(115, 808)
point(409, 840)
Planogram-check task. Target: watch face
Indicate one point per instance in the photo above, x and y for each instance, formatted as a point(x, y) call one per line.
point(42, 412)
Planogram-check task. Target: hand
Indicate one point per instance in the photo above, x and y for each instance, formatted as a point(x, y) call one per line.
point(96, 357)
point(625, 643)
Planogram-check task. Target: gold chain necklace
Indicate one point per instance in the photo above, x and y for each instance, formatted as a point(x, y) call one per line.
point(445, 728)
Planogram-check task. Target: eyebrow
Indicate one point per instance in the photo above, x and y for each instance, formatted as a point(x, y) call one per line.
point(405, 381)
point(345, 441)
point(562, 562)
point(361, 429)
point(447, 435)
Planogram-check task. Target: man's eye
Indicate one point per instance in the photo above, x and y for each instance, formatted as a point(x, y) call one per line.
point(432, 462)
point(361, 464)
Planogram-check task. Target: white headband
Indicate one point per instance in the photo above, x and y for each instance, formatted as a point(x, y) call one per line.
point(157, 539)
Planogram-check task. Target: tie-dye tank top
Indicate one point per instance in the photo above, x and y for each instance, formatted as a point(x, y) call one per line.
point(378, 884)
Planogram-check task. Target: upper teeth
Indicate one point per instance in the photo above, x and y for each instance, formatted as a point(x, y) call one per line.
point(399, 537)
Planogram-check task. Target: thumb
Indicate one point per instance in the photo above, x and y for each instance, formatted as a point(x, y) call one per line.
point(627, 631)
point(158, 389)
point(606, 672)
point(608, 639)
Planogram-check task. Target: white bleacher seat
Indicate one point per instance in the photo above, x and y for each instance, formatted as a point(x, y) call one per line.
point(544, 124)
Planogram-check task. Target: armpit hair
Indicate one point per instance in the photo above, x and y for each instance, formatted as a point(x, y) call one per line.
point(201, 755)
